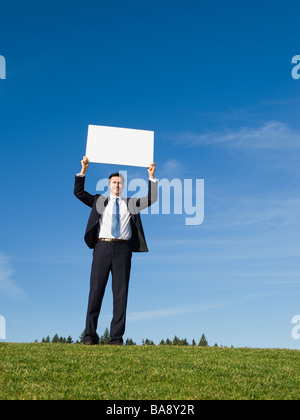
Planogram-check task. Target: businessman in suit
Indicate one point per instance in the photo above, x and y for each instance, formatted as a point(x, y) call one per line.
point(114, 231)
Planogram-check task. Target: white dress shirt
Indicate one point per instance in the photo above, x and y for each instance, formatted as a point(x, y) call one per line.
point(106, 219)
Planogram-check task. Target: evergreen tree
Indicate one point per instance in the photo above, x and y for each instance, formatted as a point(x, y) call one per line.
point(105, 338)
point(148, 342)
point(129, 342)
point(176, 341)
point(203, 341)
point(81, 338)
point(183, 342)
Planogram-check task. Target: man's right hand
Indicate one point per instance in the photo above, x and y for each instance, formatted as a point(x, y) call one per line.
point(84, 165)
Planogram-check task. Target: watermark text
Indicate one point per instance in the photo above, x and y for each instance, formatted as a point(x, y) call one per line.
point(2, 328)
point(174, 196)
point(2, 67)
point(296, 68)
point(296, 328)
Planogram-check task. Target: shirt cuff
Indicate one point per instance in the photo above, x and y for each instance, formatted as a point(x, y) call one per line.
point(153, 180)
point(80, 175)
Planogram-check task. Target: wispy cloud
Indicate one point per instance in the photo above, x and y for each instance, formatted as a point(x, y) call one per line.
point(8, 285)
point(262, 211)
point(185, 310)
point(171, 166)
point(168, 312)
point(272, 135)
point(171, 312)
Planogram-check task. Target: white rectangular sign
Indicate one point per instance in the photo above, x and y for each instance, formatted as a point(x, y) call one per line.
point(120, 146)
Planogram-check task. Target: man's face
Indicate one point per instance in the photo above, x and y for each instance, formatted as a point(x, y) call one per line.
point(116, 185)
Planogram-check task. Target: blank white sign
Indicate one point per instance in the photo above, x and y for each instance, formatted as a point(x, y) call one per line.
point(120, 146)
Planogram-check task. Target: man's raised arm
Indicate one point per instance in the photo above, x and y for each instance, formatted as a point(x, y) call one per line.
point(137, 205)
point(79, 190)
point(84, 166)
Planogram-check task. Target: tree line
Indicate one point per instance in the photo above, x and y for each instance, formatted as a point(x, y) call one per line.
point(105, 339)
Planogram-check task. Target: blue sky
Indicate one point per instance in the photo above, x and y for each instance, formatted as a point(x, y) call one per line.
point(213, 80)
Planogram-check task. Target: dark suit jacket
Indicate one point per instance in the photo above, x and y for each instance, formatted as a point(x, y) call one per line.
point(98, 202)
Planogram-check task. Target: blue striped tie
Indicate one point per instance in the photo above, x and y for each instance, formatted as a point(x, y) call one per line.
point(115, 223)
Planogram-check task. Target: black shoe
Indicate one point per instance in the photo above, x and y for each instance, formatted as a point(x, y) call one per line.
point(89, 343)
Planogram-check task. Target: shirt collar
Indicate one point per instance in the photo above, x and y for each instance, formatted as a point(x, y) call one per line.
point(112, 197)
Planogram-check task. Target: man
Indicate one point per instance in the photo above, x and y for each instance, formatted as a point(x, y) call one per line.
point(114, 231)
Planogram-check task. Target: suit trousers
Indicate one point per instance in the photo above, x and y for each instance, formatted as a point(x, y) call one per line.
point(114, 257)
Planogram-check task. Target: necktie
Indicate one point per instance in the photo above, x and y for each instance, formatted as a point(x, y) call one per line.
point(115, 223)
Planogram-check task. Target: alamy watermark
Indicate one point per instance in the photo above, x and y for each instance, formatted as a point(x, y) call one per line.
point(2, 67)
point(296, 69)
point(2, 328)
point(175, 196)
point(296, 329)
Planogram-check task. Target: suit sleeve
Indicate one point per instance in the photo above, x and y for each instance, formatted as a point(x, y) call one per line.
point(80, 192)
point(151, 198)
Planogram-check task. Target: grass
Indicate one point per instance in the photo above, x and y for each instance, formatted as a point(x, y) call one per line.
point(64, 371)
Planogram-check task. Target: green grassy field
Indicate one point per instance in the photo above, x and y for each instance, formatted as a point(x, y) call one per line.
point(64, 371)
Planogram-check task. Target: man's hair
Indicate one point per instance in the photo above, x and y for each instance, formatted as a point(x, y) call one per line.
point(116, 174)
